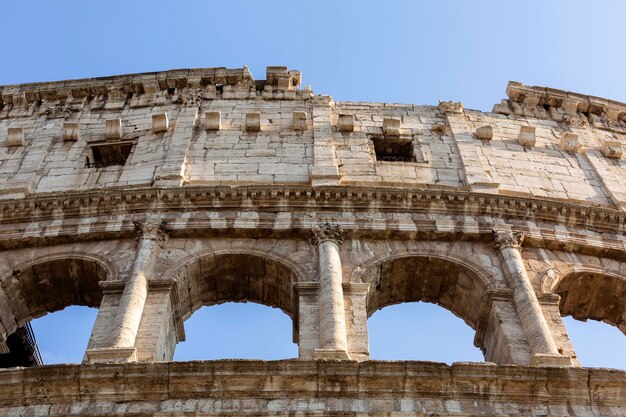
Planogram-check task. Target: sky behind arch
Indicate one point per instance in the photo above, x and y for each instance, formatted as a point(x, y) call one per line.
point(395, 51)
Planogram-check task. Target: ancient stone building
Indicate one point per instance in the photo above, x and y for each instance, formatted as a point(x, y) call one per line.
point(149, 196)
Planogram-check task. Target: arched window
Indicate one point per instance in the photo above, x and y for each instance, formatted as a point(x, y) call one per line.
point(237, 330)
point(597, 297)
point(235, 277)
point(421, 331)
point(597, 344)
point(43, 287)
point(62, 336)
point(422, 278)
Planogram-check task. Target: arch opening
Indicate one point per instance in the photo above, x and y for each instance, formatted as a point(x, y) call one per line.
point(585, 335)
point(595, 296)
point(63, 335)
point(593, 305)
point(236, 278)
point(428, 279)
point(448, 338)
point(37, 289)
point(237, 330)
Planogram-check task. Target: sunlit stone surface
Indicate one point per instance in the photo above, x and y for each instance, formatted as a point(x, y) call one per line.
point(149, 196)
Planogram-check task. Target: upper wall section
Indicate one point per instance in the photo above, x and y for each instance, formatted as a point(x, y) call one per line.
point(219, 126)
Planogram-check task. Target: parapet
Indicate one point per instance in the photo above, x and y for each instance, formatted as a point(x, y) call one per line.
point(164, 87)
point(558, 105)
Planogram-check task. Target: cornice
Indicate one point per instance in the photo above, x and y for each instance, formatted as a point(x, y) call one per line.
point(206, 83)
point(559, 105)
point(272, 198)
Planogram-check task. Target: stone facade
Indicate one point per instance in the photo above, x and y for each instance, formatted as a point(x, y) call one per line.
point(149, 196)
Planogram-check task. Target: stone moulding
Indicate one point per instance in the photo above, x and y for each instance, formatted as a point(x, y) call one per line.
point(559, 105)
point(540, 220)
point(453, 202)
point(240, 387)
point(208, 82)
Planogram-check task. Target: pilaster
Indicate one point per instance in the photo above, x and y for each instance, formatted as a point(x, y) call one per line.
point(161, 326)
point(308, 336)
point(473, 175)
point(172, 171)
point(325, 170)
point(355, 301)
point(607, 174)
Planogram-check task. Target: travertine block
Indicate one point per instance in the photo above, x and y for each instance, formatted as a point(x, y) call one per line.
point(527, 136)
point(151, 87)
point(391, 127)
point(569, 142)
point(345, 123)
point(160, 123)
point(284, 83)
point(484, 132)
point(113, 129)
point(71, 132)
point(253, 122)
point(15, 136)
point(612, 149)
point(212, 120)
point(299, 120)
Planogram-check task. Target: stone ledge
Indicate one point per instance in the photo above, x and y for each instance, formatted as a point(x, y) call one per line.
point(436, 201)
point(309, 387)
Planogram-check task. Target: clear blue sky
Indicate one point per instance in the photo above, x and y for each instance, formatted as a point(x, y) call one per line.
point(396, 51)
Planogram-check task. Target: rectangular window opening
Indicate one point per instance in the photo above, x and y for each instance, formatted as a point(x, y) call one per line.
point(394, 149)
point(109, 154)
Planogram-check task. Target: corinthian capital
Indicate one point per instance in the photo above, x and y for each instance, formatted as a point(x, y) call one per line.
point(325, 233)
point(507, 239)
point(152, 231)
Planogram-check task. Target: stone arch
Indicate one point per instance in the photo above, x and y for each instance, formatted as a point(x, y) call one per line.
point(588, 292)
point(50, 283)
point(412, 276)
point(238, 275)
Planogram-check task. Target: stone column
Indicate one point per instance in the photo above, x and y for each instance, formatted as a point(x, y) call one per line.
point(332, 329)
point(543, 349)
point(121, 342)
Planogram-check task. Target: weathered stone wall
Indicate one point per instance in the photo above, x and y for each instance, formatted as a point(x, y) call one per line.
point(573, 157)
point(149, 196)
point(310, 388)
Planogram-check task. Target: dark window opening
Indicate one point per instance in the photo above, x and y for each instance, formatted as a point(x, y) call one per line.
point(108, 154)
point(393, 149)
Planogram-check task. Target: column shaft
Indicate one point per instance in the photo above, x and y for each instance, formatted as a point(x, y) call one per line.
point(543, 349)
point(333, 341)
point(526, 303)
point(332, 312)
point(128, 317)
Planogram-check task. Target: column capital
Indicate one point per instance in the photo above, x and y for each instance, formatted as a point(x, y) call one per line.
point(152, 231)
point(507, 239)
point(326, 232)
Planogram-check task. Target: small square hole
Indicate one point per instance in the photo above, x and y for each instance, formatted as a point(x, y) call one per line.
point(108, 154)
point(393, 149)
